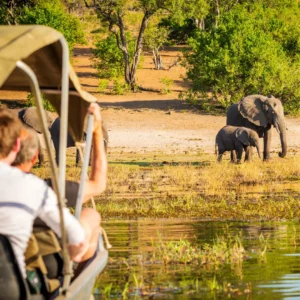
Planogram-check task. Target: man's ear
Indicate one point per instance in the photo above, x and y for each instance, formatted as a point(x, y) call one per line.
point(17, 145)
point(35, 157)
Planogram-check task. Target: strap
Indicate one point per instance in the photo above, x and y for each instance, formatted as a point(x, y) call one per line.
point(18, 205)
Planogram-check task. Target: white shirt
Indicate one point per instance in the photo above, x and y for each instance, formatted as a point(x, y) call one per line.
point(23, 197)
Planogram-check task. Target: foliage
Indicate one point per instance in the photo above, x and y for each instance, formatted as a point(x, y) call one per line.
point(178, 34)
point(167, 82)
point(109, 58)
point(254, 49)
point(183, 10)
point(114, 15)
point(120, 87)
point(155, 36)
point(10, 10)
point(103, 85)
point(53, 13)
point(46, 103)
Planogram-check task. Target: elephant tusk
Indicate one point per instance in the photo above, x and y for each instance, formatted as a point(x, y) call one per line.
point(276, 127)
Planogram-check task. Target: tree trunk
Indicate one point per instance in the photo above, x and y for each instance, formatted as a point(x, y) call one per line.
point(200, 24)
point(217, 13)
point(138, 50)
point(157, 60)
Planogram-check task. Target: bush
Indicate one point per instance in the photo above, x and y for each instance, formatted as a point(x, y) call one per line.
point(54, 14)
point(103, 85)
point(109, 58)
point(178, 34)
point(120, 87)
point(167, 82)
point(255, 49)
point(30, 101)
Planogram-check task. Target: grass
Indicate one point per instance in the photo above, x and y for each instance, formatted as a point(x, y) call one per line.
point(195, 185)
point(225, 250)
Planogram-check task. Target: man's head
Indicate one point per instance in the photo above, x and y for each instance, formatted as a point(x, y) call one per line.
point(28, 154)
point(10, 134)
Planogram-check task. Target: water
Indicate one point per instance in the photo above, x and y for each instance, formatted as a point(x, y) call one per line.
point(274, 275)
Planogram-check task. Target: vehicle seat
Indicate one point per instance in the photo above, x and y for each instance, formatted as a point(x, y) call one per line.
point(12, 284)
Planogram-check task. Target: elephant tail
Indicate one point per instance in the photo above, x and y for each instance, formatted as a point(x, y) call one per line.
point(216, 149)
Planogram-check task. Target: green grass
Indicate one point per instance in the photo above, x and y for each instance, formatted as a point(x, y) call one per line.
point(194, 185)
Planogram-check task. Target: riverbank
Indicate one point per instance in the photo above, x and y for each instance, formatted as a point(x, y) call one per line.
point(194, 185)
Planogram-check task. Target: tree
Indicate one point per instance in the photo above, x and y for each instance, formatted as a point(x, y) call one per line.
point(155, 37)
point(113, 13)
point(10, 10)
point(196, 10)
point(254, 49)
point(53, 13)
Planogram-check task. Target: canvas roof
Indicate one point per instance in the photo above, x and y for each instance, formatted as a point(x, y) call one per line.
point(40, 48)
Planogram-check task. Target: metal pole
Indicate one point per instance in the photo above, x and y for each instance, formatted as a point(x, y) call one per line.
point(64, 105)
point(68, 265)
point(54, 175)
point(39, 103)
point(85, 166)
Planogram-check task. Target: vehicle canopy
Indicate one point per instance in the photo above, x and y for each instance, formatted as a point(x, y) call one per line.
point(40, 48)
point(36, 58)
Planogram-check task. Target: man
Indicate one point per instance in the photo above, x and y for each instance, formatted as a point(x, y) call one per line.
point(25, 197)
point(28, 155)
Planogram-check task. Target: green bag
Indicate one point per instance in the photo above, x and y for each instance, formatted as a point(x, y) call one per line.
point(34, 282)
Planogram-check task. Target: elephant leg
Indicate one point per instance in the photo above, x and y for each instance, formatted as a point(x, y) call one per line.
point(233, 156)
point(248, 154)
point(239, 152)
point(267, 144)
point(77, 157)
point(220, 157)
point(41, 157)
point(221, 151)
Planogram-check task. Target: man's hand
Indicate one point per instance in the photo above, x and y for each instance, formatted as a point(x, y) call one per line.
point(77, 251)
point(94, 109)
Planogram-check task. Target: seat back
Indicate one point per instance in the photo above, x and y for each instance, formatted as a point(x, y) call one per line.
point(12, 284)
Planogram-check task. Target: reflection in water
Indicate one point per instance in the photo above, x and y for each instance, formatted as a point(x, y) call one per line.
point(288, 286)
point(274, 275)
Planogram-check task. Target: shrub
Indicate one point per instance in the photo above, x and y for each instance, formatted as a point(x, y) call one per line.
point(103, 85)
point(120, 87)
point(167, 82)
point(46, 103)
point(178, 34)
point(54, 14)
point(109, 58)
point(253, 50)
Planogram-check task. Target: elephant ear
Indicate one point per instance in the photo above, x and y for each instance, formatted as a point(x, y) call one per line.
point(242, 136)
point(31, 119)
point(252, 108)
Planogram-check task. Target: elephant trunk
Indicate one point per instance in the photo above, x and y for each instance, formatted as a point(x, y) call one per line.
point(258, 149)
point(281, 128)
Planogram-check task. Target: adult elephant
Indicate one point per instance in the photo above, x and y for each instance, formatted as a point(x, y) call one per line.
point(259, 113)
point(55, 132)
point(29, 117)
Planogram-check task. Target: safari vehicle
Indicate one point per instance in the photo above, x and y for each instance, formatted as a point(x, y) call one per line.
point(36, 59)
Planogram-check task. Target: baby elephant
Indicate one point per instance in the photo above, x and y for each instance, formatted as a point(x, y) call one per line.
point(231, 138)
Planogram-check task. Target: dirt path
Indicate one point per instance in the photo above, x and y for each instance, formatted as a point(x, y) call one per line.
point(150, 121)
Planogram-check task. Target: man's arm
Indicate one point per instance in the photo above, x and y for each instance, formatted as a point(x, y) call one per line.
point(98, 178)
point(49, 213)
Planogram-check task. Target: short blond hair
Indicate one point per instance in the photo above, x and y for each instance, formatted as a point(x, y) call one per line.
point(29, 147)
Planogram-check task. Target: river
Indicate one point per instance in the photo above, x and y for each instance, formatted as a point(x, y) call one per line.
point(270, 268)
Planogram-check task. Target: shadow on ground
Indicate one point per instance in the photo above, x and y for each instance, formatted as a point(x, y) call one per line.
point(160, 164)
point(150, 104)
